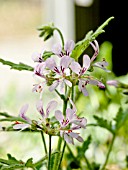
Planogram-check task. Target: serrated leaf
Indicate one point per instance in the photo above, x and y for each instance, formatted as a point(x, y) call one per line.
point(120, 118)
point(20, 66)
point(81, 46)
point(104, 123)
point(29, 163)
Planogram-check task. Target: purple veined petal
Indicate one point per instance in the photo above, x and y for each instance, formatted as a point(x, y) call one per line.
point(51, 64)
point(21, 126)
point(68, 83)
point(73, 135)
point(40, 109)
point(86, 62)
point(51, 106)
point(81, 122)
point(82, 88)
point(37, 57)
point(96, 49)
point(54, 85)
point(113, 83)
point(68, 138)
point(80, 139)
point(69, 46)
point(102, 65)
point(59, 116)
point(23, 110)
point(65, 61)
point(69, 114)
point(57, 49)
point(75, 67)
point(101, 85)
point(39, 69)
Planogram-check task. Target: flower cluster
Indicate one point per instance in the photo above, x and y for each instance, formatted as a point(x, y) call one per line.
point(65, 126)
point(62, 72)
point(68, 72)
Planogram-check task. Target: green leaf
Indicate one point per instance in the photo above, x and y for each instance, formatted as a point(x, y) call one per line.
point(10, 118)
point(20, 66)
point(120, 118)
point(46, 31)
point(104, 123)
point(47, 54)
point(86, 144)
point(81, 46)
point(29, 163)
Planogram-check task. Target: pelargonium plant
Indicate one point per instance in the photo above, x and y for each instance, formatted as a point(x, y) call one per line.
point(60, 71)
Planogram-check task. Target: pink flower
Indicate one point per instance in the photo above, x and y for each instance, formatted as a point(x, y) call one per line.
point(28, 123)
point(61, 72)
point(113, 83)
point(69, 124)
point(68, 47)
point(82, 78)
point(50, 106)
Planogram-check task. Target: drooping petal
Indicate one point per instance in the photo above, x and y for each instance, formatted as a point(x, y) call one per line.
point(59, 116)
point(68, 83)
point(54, 85)
point(82, 88)
point(86, 62)
point(68, 138)
point(57, 49)
point(73, 104)
point(40, 109)
point(21, 126)
point(73, 135)
point(69, 46)
point(51, 106)
point(75, 67)
point(80, 139)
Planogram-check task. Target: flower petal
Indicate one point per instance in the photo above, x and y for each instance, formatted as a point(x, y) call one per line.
point(69, 46)
point(57, 49)
point(51, 64)
point(59, 116)
point(21, 126)
point(54, 85)
point(51, 106)
point(40, 109)
point(75, 67)
point(86, 62)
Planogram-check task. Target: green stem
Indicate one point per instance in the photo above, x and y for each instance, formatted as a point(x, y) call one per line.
point(62, 155)
point(61, 36)
point(88, 163)
point(109, 151)
point(45, 148)
point(49, 154)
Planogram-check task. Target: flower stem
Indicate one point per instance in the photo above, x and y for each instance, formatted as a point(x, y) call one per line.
point(109, 151)
point(61, 36)
point(62, 155)
point(45, 148)
point(88, 163)
point(49, 154)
